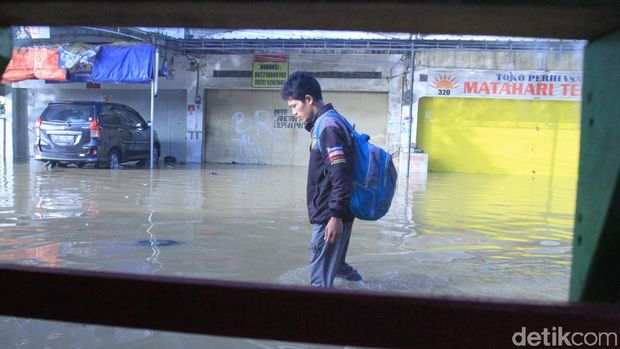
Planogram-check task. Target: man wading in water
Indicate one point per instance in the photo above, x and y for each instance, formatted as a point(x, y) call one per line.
point(330, 181)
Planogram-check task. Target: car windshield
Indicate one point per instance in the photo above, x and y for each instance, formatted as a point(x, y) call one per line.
point(70, 113)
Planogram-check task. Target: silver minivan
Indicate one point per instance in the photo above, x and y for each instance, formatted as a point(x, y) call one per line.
point(100, 133)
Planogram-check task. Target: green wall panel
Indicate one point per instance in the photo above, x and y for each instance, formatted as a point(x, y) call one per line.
point(596, 245)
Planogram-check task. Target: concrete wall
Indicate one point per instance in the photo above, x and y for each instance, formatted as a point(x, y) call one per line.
point(492, 60)
point(19, 122)
point(196, 83)
point(388, 65)
point(241, 125)
point(395, 81)
point(6, 125)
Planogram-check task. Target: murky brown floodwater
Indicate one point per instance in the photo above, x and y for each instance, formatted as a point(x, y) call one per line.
point(448, 234)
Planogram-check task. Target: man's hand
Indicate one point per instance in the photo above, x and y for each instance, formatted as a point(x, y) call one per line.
point(333, 230)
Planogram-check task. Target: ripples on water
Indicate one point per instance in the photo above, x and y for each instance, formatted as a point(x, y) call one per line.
point(249, 223)
point(489, 235)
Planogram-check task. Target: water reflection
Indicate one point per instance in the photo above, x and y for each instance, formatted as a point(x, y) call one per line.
point(455, 234)
point(496, 216)
point(483, 235)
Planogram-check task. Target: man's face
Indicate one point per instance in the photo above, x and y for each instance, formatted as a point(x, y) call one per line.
point(302, 109)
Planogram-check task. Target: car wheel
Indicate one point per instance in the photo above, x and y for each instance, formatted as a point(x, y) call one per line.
point(147, 160)
point(80, 164)
point(114, 159)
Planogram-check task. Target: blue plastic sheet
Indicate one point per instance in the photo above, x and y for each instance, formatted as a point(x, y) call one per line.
point(124, 64)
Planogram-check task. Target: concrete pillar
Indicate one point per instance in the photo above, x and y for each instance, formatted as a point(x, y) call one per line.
point(6, 147)
point(19, 121)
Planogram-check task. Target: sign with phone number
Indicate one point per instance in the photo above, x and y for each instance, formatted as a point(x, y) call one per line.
point(269, 71)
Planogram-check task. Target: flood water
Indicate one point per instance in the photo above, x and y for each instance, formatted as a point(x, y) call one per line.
point(466, 235)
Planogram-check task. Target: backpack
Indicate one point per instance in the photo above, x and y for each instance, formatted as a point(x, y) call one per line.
point(374, 174)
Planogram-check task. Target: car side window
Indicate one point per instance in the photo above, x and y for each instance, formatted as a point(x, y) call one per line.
point(115, 118)
point(106, 115)
point(123, 118)
point(136, 120)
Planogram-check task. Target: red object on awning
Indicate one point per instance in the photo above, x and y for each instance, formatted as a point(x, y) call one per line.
point(33, 63)
point(20, 67)
point(46, 65)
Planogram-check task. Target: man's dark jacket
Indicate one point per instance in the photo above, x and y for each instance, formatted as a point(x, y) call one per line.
point(330, 171)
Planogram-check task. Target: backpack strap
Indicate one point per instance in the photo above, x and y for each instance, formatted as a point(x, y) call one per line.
point(334, 114)
point(317, 135)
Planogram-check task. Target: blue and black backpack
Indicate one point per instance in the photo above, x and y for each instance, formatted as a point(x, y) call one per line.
point(374, 174)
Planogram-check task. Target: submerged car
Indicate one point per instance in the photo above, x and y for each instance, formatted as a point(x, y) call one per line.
point(100, 133)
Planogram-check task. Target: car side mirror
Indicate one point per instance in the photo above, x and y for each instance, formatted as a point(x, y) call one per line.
point(148, 123)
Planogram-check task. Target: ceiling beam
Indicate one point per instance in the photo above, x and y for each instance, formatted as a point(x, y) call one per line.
point(570, 20)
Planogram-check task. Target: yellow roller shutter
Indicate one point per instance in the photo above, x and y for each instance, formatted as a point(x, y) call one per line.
point(474, 135)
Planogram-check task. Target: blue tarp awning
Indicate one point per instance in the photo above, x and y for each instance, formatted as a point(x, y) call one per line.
point(123, 64)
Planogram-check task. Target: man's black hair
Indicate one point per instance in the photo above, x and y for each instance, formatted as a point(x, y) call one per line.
point(300, 84)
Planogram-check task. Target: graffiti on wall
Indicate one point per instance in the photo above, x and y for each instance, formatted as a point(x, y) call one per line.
point(282, 119)
point(251, 135)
